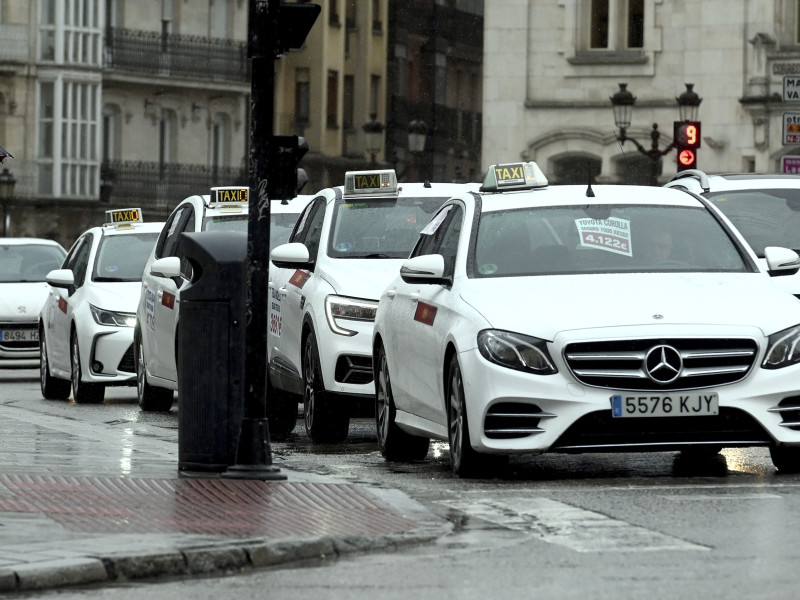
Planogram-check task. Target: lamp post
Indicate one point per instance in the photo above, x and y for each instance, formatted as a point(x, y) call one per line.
point(373, 130)
point(622, 102)
point(417, 136)
point(7, 183)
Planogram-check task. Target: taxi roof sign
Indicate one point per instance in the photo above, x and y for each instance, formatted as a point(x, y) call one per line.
point(360, 183)
point(229, 195)
point(124, 216)
point(514, 176)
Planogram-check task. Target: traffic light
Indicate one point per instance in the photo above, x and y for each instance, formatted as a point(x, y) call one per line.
point(285, 179)
point(687, 140)
point(294, 24)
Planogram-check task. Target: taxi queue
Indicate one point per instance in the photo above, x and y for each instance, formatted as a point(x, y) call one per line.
point(506, 318)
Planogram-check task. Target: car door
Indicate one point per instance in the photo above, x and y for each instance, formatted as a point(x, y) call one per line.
point(287, 287)
point(164, 291)
point(427, 314)
point(62, 304)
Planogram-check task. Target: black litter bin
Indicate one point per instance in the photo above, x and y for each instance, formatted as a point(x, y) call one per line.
point(211, 350)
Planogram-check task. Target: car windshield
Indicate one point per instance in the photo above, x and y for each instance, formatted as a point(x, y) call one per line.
point(122, 257)
point(231, 223)
point(380, 228)
point(603, 239)
point(763, 217)
point(28, 262)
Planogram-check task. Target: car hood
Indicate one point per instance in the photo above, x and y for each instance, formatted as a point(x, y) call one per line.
point(121, 296)
point(362, 278)
point(546, 306)
point(22, 301)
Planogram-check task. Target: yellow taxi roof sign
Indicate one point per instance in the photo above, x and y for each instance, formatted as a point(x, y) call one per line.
point(124, 216)
point(514, 176)
point(229, 195)
point(371, 183)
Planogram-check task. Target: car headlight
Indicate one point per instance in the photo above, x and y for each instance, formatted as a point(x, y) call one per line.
point(783, 349)
point(339, 308)
point(516, 351)
point(112, 318)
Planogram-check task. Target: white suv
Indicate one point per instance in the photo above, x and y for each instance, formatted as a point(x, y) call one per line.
point(765, 208)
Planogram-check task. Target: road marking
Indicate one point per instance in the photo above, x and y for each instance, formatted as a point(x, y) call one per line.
point(575, 528)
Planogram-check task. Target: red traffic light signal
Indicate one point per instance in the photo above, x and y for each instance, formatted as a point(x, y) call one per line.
point(686, 136)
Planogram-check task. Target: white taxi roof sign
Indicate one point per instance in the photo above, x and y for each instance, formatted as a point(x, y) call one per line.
point(514, 176)
point(124, 216)
point(361, 183)
point(229, 195)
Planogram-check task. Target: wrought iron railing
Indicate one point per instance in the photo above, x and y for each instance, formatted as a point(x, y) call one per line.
point(162, 185)
point(176, 55)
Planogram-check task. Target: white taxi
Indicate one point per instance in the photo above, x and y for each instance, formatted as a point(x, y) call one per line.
point(24, 262)
point(157, 316)
point(534, 319)
point(86, 324)
point(324, 288)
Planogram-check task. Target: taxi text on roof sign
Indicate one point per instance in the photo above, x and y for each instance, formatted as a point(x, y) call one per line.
point(226, 195)
point(370, 182)
point(514, 176)
point(124, 215)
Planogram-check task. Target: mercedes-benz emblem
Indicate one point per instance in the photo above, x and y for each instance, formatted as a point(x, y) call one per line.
point(663, 364)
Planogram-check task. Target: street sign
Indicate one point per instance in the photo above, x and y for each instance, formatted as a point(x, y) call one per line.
point(791, 88)
point(791, 129)
point(790, 165)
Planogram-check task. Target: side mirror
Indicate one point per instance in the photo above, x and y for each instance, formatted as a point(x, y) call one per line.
point(428, 268)
point(781, 261)
point(62, 278)
point(291, 256)
point(168, 267)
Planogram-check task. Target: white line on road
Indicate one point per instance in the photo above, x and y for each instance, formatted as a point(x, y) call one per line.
point(575, 528)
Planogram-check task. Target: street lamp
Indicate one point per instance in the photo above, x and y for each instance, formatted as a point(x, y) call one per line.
point(417, 136)
point(7, 183)
point(373, 130)
point(622, 102)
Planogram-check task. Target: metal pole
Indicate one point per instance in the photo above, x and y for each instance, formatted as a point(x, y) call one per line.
point(253, 453)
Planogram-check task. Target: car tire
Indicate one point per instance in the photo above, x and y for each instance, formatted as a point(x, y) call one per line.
point(466, 461)
point(394, 443)
point(151, 398)
point(325, 420)
point(52, 387)
point(281, 412)
point(785, 458)
point(83, 393)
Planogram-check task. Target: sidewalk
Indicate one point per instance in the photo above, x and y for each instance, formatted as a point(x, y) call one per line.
point(81, 505)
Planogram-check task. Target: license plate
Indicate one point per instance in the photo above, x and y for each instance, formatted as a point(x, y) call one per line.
point(19, 335)
point(664, 405)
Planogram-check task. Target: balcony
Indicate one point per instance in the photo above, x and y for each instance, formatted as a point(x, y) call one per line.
point(151, 184)
point(172, 55)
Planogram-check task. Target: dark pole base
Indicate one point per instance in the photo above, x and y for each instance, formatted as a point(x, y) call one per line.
point(253, 454)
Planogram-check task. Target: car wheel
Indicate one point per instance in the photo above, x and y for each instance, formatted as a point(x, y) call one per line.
point(151, 398)
point(785, 458)
point(466, 462)
point(52, 387)
point(84, 393)
point(324, 423)
point(394, 443)
point(281, 412)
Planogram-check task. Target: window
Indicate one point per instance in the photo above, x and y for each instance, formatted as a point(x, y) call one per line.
point(69, 120)
point(349, 102)
point(332, 110)
point(70, 32)
point(377, 22)
point(374, 94)
point(333, 12)
point(220, 142)
point(166, 137)
point(302, 96)
point(576, 169)
point(614, 25)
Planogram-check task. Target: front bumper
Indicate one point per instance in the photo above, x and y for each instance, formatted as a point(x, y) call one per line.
point(513, 412)
point(346, 361)
point(107, 355)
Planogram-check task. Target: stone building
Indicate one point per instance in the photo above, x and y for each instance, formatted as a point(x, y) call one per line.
point(551, 66)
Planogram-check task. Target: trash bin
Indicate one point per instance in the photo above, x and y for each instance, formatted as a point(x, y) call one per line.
point(211, 350)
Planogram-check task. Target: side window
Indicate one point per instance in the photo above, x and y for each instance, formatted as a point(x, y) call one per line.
point(304, 221)
point(430, 240)
point(81, 263)
point(168, 241)
point(449, 245)
point(314, 232)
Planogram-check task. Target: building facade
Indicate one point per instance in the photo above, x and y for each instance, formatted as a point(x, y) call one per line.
point(551, 67)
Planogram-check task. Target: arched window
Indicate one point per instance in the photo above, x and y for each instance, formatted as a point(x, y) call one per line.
point(575, 169)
